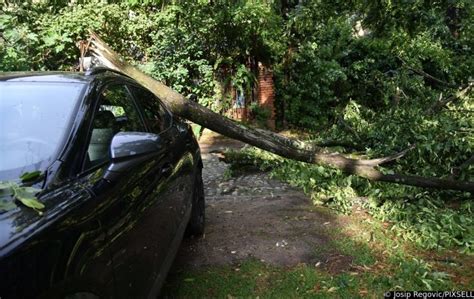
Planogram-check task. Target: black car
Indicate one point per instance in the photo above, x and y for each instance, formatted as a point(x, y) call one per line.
point(120, 181)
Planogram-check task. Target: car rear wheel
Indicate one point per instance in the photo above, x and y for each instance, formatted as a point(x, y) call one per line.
point(197, 221)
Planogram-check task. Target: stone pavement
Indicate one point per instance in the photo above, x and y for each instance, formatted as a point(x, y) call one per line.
point(219, 186)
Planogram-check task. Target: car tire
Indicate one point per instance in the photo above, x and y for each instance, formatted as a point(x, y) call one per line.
point(198, 216)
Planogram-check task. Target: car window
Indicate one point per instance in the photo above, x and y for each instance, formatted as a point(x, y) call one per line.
point(116, 113)
point(156, 116)
point(34, 117)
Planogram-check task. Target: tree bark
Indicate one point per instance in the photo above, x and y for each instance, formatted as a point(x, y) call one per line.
point(269, 141)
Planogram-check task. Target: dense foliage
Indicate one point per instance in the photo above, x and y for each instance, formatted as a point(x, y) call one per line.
point(366, 73)
point(186, 45)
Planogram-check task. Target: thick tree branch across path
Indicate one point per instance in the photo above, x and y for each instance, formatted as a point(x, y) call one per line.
point(268, 141)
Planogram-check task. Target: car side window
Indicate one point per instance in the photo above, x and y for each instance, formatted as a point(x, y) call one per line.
point(156, 116)
point(116, 113)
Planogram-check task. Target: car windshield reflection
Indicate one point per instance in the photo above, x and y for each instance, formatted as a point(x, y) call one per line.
point(33, 118)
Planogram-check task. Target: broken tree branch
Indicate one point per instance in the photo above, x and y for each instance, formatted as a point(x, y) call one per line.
point(268, 141)
point(426, 75)
point(462, 93)
point(384, 160)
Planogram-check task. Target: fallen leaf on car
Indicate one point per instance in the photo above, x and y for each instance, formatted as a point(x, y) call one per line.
point(6, 205)
point(29, 176)
point(27, 197)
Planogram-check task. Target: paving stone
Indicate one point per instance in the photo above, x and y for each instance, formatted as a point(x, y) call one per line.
point(251, 186)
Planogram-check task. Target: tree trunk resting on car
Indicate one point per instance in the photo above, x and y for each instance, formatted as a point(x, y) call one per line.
point(266, 140)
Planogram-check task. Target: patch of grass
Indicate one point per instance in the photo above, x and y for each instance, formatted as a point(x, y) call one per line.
point(361, 253)
point(218, 282)
point(380, 262)
point(253, 278)
point(228, 174)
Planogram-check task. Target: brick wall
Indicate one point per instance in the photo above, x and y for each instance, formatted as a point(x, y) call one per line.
point(265, 97)
point(266, 92)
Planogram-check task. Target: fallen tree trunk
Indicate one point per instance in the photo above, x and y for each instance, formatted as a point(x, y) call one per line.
point(269, 141)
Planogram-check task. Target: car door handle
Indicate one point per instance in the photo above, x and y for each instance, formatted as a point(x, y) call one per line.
point(166, 170)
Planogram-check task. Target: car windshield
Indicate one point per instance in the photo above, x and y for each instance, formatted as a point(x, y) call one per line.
point(33, 119)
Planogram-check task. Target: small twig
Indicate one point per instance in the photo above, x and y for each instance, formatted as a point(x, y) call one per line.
point(436, 103)
point(403, 93)
point(467, 163)
point(456, 171)
point(349, 128)
point(430, 77)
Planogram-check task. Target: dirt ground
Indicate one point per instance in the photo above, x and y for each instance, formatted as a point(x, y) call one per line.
point(254, 216)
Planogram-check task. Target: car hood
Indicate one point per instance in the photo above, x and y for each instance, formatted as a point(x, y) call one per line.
point(15, 225)
point(21, 224)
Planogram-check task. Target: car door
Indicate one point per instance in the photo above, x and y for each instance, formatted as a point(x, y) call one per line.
point(159, 120)
point(139, 214)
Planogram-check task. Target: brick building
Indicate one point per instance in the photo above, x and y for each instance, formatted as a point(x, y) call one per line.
point(263, 94)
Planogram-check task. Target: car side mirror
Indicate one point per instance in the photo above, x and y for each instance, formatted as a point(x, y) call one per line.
point(126, 145)
point(128, 149)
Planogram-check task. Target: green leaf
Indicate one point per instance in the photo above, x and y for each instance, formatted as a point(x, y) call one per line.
point(5, 185)
point(6, 205)
point(29, 176)
point(27, 197)
point(5, 189)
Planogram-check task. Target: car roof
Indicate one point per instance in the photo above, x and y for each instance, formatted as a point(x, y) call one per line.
point(57, 77)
